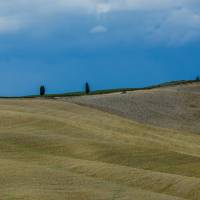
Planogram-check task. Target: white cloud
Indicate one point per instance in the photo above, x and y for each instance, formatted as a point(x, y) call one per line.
point(178, 27)
point(103, 8)
point(8, 24)
point(180, 23)
point(98, 29)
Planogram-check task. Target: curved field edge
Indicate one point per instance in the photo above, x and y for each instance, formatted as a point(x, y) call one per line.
point(176, 107)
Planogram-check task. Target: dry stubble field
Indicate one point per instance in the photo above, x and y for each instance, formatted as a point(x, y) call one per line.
point(53, 149)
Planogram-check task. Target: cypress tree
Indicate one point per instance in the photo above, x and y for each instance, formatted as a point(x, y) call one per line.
point(87, 88)
point(42, 90)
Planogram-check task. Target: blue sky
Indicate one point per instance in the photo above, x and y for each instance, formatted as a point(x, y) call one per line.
point(109, 43)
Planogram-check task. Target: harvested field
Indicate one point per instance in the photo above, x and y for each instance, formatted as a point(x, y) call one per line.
point(176, 107)
point(57, 150)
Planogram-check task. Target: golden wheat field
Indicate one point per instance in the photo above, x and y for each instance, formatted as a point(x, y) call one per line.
point(56, 150)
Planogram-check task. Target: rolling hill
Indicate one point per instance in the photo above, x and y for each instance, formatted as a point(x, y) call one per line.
point(176, 106)
point(102, 147)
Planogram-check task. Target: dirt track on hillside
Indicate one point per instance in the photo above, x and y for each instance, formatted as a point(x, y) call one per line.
point(176, 107)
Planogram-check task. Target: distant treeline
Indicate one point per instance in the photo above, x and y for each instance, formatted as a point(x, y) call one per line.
point(87, 90)
point(123, 90)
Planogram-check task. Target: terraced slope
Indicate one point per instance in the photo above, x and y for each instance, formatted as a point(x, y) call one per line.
point(175, 107)
point(58, 150)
